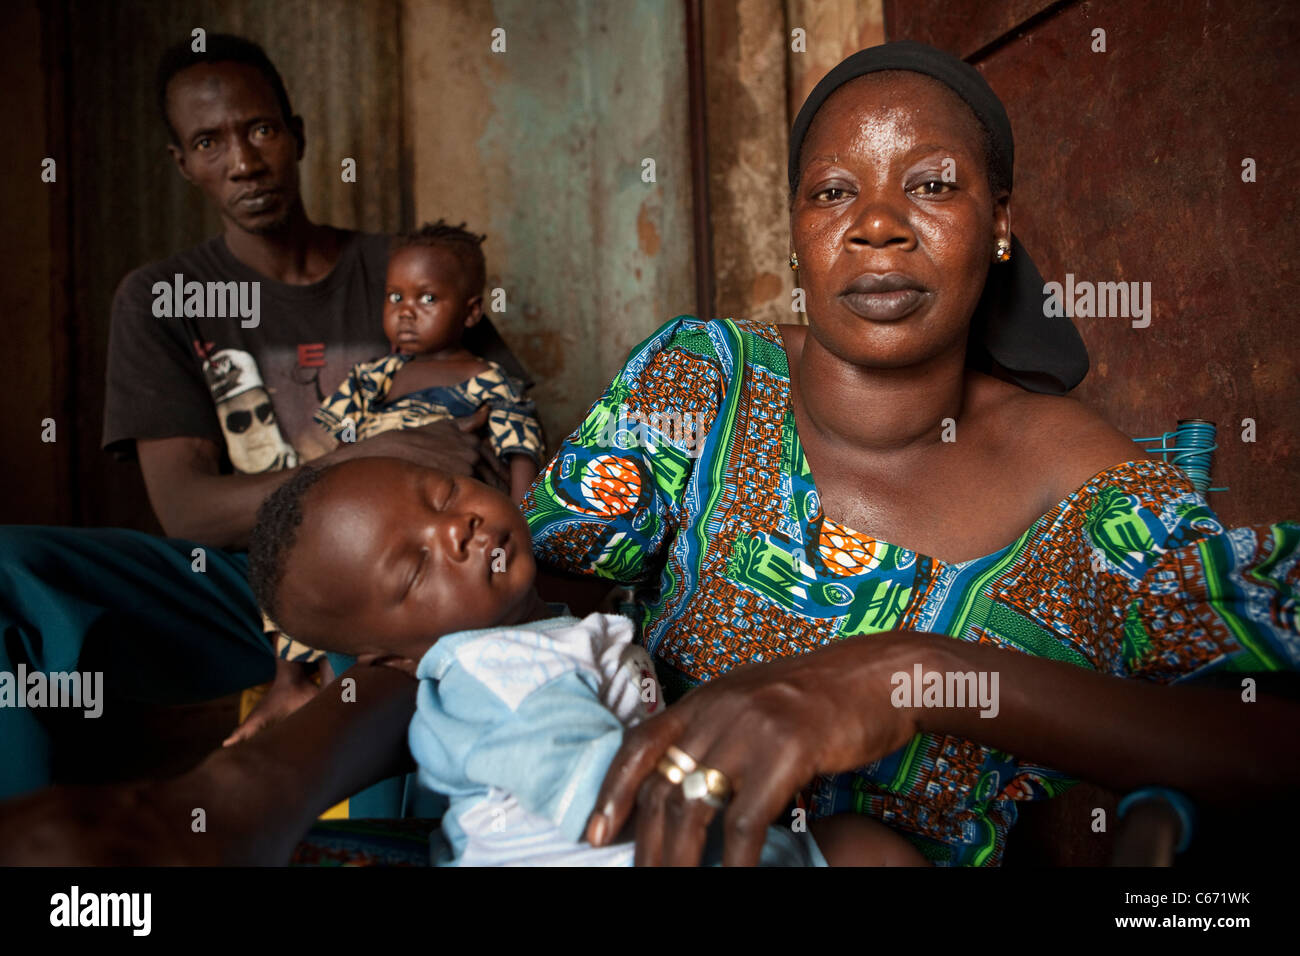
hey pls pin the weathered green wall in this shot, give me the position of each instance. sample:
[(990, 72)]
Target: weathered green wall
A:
[(541, 147)]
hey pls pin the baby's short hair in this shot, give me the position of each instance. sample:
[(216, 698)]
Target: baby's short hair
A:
[(466, 246), (274, 535)]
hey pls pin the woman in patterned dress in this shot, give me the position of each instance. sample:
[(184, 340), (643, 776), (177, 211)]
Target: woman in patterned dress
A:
[(817, 518)]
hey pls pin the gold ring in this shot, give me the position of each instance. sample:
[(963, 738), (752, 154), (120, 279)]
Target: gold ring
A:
[(709, 785), (671, 771), (681, 758)]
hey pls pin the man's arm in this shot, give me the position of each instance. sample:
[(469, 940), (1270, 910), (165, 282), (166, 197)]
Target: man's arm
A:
[(258, 798), (193, 500)]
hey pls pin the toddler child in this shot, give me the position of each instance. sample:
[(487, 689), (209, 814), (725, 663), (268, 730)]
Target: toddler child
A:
[(520, 708), (434, 292)]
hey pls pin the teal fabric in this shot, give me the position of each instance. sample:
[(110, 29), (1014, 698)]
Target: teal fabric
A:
[(129, 605), (132, 606)]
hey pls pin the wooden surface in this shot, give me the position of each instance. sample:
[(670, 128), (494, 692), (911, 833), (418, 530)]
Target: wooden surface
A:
[(36, 477)]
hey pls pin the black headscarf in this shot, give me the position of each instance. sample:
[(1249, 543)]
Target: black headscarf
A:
[(1040, 352)]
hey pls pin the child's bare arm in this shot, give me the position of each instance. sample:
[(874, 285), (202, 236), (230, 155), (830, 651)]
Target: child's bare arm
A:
[(851, 839), (522, 472)]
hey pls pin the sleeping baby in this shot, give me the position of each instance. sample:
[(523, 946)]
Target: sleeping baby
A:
[(520, 707)]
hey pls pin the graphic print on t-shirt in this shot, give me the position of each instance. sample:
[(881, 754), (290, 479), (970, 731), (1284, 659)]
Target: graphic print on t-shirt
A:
[(299, 375), (308, 339), (253, 439)]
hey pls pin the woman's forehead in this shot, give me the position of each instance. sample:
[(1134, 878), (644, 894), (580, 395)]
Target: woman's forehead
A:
[(886, 104)]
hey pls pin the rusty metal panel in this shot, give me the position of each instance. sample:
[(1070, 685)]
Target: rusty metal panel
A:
[(1129, 168), (962, 27)]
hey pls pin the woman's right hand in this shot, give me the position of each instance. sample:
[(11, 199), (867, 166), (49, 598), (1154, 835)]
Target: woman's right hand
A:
[(770, 728)]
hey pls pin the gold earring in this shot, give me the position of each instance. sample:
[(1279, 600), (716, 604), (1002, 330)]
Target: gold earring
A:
[(1003, 250), (794, 261)]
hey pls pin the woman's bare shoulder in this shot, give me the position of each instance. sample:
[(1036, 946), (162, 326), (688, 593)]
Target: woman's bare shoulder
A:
[(1058, 437)]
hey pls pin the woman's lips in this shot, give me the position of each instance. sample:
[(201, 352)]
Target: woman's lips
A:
[(883, 306)]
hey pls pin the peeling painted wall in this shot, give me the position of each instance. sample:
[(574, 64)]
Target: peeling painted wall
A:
[(835, 29), (541, 147), (745, 46), (756, 82)]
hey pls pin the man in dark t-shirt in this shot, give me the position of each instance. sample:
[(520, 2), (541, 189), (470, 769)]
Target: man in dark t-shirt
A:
[(249, 385), (248, 389), (217, 359)]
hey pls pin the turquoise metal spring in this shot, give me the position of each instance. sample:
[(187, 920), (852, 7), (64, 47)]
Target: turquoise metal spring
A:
[(1192, 450)]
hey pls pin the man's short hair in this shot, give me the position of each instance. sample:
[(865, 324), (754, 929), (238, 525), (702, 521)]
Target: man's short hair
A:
[(219, 48), (466, 246)]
